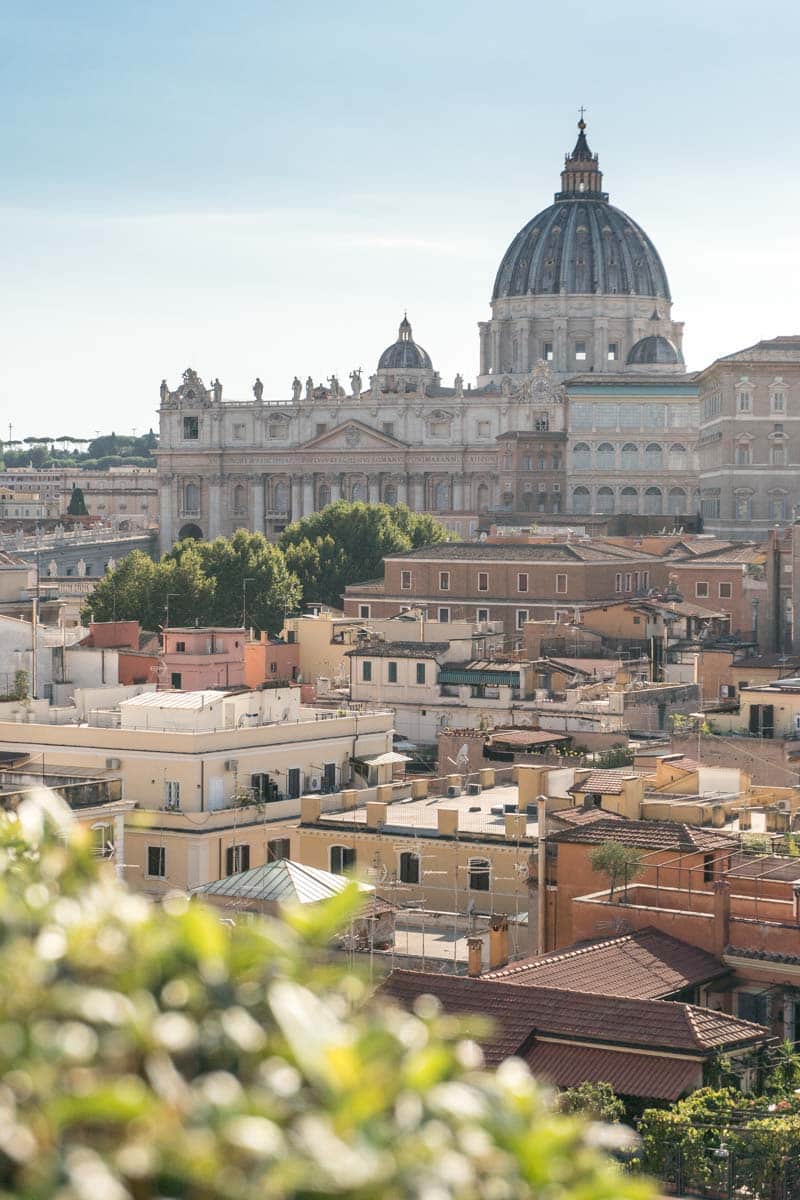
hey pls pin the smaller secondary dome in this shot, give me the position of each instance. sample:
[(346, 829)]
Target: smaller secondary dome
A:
[(404, 354), (654, 349)]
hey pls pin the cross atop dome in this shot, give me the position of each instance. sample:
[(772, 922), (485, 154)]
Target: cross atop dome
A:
[(581, 176)]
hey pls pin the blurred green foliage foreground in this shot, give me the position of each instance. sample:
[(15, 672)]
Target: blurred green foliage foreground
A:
[(150, 1051)]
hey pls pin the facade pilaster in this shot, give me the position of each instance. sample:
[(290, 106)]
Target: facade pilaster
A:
[(297, 497), (257, 505), (215, 507), (373, 489), (308, 495), (167, 530), (402, 490), (483, 332)]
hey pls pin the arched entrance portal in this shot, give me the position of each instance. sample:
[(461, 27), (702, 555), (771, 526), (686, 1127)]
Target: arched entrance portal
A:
[(190, 531)]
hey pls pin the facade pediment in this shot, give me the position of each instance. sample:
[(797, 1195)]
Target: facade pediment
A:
[(353, 435)]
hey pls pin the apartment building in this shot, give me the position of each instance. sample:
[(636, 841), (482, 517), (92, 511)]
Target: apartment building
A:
[(216, 776), (508, 583)]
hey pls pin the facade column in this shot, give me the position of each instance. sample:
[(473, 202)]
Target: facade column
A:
[(496, 348), (523, 334), (257, 505), (483, 331), (416, 500), (373, 489), (308, 495), (336, 488), (215, 507), (458, 493), (166, 517), (296, 497), (402, 490)]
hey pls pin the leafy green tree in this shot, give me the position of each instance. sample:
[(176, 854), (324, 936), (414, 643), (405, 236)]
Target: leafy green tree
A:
[(619, 864), (147, 1051), (200, 582), (595, 1100), (77, 503), (346, 543), (250, 577)]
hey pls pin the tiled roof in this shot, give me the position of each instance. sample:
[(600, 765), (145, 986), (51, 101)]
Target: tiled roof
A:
[(519, 1013), (649, 835), (644, 965), (585, 816), (610, 783), (629, 1074), (398, 650), (515, 552), (525, 737), (762, 955), (744, 553)]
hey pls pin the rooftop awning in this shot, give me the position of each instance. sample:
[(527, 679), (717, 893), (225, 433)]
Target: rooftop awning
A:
[(388, 759), (485, 678)]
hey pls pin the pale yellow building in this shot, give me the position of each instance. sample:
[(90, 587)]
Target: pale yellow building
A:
[(216, 776)]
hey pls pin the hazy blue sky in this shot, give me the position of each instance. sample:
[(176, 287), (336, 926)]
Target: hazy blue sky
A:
[(261, 188)]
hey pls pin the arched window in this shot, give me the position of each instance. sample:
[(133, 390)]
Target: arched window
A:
[(358, 491), (582, 457), (191, 499), (441, 496), (390, 494), (629, 500), (676, 502), (653, 501), (323, 495), (678, 458), (239, 499), (480, 875), (654, 457), (482, 497), (280, 497), (605, 457), (605, 500), (630, 457), (581, 500), (409, 867)]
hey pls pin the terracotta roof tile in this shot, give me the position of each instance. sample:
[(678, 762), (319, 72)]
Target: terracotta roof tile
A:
[(661, 1078), (609, 782), (649, 835), (644, 965), (585, 816), (518, 1013)]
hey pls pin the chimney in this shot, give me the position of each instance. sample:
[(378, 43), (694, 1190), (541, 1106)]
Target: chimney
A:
[(310, 809), (447, 822), (722, 916), (376, 814), (532, 782), (498, 941), (475, 959)]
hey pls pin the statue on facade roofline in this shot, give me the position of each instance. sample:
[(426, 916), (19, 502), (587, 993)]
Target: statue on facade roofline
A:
[(355, 383), (309, 387), (216, 388), (258, 390), (458, 384), (164, 391), (297, 389)]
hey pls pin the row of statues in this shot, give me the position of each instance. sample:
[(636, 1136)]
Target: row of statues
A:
[(334, 391)]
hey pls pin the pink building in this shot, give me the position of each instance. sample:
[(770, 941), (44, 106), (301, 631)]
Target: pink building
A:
[(198, 658), (271, 660)]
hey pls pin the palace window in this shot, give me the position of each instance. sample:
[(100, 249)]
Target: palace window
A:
[(366, 671), (522, 581), (613, 351), (156, 862), (701, 589), (391, 676), (630, 457), (605, 457), (444, 581), (421, 672), (343, 858), (654, 457), (191, 429), (405, 580), (409, 867), (561, 584), (237, 858), (582, 457), (483, 581), (580, 351), (480, 875), (744, 402), (547, 351)]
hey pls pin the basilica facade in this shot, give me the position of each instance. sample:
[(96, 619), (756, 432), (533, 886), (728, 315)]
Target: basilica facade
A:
[(582, 403)]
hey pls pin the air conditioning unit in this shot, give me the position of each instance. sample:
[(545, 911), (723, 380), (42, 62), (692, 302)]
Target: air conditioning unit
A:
[(474, 789), (231, 764), (113, 764), (453, 791)]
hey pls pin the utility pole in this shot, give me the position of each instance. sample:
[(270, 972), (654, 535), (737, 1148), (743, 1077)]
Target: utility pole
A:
[(34, 635)]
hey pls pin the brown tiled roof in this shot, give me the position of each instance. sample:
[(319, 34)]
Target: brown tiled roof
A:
[(585, 816), (649, 835), (526, 552), (398, 650), (525, 737), (644, 965), (609, 782), (629, 1074), (519, 1013)]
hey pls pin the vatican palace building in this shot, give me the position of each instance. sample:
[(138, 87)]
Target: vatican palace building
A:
[(582, 405)]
